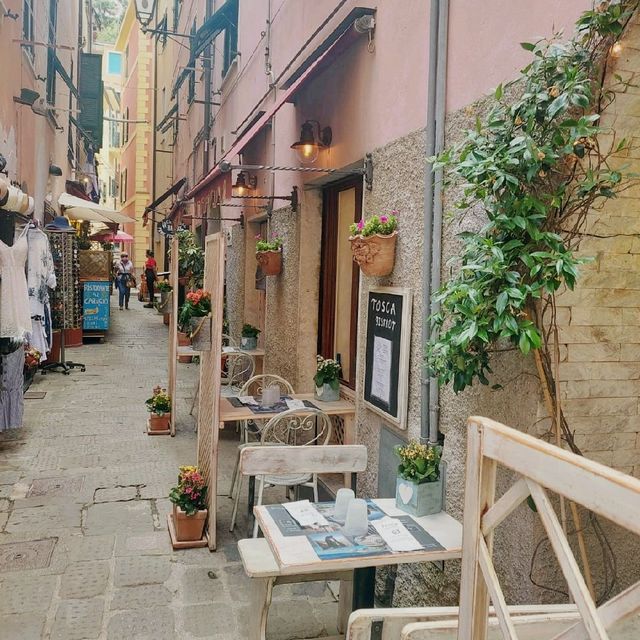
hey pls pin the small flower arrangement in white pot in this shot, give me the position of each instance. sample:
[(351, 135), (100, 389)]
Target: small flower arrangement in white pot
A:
[(327, 379), (421, 479), (373, 244)]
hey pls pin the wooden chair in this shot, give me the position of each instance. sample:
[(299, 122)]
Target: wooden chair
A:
[(539, 466), (293, 428), (252, 428), (258, 560)]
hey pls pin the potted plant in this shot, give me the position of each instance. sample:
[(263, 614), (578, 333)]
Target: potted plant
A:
[(269, 255), (189, 505), (373, 244), (159, 406), (421, 479), (195, 319), (166, 298), (249, 337), (190, 259), (327, 379)]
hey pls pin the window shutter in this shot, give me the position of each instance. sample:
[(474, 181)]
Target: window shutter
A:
[(90, 88)]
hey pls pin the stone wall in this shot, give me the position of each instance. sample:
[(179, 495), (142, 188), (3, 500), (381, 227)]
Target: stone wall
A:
[(235, 280)]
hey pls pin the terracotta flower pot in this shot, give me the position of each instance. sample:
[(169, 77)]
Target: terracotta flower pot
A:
[(270, 262), (189, 528), (184, 341), (182, 280), (159, 423), (374, 254)]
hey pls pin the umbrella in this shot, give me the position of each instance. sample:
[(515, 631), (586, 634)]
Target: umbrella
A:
[(109, 236)]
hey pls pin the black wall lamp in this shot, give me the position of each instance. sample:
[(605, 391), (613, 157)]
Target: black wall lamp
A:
[(308, 146), (244, 183)]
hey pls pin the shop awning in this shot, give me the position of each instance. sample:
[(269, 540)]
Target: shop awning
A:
[(80, 209), (246, 137)]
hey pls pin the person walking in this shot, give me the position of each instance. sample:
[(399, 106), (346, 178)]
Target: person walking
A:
[(125, 280), (151, 275)]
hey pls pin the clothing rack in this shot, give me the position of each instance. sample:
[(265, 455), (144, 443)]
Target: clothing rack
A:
[(64, 247)]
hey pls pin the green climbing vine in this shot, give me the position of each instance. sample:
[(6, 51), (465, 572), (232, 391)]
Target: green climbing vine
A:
[(537, 168)]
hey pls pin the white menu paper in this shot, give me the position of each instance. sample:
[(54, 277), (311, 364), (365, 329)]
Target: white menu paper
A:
[(395, 534), (305, 514), (381, 373), (248, 400), (295, 404)]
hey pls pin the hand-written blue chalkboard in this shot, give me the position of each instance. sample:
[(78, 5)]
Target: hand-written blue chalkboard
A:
[(387, 352), (95, 305)]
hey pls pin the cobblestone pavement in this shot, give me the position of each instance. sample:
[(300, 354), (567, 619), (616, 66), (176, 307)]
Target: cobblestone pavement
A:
[(84, 548)]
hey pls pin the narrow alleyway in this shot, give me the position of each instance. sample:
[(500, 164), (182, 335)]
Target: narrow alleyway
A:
[(84, 548)]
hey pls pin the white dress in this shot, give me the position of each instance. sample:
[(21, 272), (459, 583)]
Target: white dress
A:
[(41, 277), (15, 316)]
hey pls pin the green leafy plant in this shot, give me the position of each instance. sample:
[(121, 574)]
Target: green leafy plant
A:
[(275, 244), (383, 225), (249, 331), (160, 402), (419, 463), (164, 285), (327, 372), (196, 305), (190, 258), (536, 168), (191, 491)]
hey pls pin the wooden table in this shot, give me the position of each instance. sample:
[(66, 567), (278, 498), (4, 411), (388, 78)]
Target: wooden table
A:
[(342, 408), (295, 556)]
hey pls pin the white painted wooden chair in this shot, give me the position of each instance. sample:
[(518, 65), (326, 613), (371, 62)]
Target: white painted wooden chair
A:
[(252, 428), (293, 428), (540, 466), (257, 558)]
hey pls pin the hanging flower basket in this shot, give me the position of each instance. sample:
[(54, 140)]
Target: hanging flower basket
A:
[(373, 244), (270, 262), (201, 333), (374, 254)]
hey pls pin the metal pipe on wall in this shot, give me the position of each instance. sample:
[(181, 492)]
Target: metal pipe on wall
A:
[(432, 250)]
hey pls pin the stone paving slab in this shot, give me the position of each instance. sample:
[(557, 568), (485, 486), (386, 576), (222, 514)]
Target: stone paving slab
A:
[(108, 571)]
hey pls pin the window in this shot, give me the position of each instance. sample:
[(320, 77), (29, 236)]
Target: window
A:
[(125, 66), (338, 309), (28, 30), (114, 63), (123, 186), (191, 92), (230, 39), (51, 52), (114, 130), (125, 127)]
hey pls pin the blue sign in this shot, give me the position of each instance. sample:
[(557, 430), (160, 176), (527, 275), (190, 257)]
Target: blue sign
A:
[(95, 305)]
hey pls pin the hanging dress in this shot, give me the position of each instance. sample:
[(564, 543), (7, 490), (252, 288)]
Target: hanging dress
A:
[(15, 314), (41, 277)]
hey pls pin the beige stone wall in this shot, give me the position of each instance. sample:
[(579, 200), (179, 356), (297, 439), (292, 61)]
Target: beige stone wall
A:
[(235, 281)]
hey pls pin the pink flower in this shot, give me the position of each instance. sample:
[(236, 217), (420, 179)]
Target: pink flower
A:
[(384, 219), (394, 212), (361, 225), (258, 237)]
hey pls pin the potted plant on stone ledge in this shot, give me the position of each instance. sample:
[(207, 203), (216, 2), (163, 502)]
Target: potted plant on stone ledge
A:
[(327, 379), (269, 255), (159, 406), (421, 479), (189, 506), (373, 244), (249, 337), (195, 319)]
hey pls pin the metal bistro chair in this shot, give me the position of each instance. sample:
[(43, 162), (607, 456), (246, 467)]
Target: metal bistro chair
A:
[(295, 428), (254, 387), (240, 367)]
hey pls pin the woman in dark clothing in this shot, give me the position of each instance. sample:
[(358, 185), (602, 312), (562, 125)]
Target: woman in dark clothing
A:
[(151, 275)]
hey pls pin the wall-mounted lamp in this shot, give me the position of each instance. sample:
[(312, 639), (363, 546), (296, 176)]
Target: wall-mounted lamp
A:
[(55, 170), (308, 146), (244, 183), (144, 11)]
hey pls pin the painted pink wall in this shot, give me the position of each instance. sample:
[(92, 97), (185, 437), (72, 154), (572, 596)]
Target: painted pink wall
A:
[(484, 36)]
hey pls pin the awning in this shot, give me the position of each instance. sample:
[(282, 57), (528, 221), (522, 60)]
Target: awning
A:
[(160, 199), (245, 138), (104, 214)]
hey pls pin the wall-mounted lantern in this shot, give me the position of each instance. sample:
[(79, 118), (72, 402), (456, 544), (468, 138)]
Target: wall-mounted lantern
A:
[(308, 146), (244, 184), (144, 11)]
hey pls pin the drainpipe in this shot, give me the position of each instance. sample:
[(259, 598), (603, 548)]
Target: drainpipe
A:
[(432, 219), (207, 117)]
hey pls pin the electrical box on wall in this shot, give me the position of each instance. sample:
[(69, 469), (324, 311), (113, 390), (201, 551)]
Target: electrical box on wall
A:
[(388, 462)]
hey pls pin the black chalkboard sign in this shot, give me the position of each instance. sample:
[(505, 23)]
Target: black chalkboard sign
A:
[(387, 352)]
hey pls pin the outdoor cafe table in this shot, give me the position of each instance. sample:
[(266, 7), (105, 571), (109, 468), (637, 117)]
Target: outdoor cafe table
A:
[(341, 408), (295, 554)]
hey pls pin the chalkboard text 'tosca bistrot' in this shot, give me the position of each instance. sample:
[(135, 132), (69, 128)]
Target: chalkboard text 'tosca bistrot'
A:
[(387, 309)]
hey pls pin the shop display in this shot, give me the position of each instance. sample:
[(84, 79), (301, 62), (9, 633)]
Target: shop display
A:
[(40, 278), (66, 309), (15, 317)]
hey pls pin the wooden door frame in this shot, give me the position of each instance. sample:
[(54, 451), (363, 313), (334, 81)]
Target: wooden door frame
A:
[(328, 274)]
